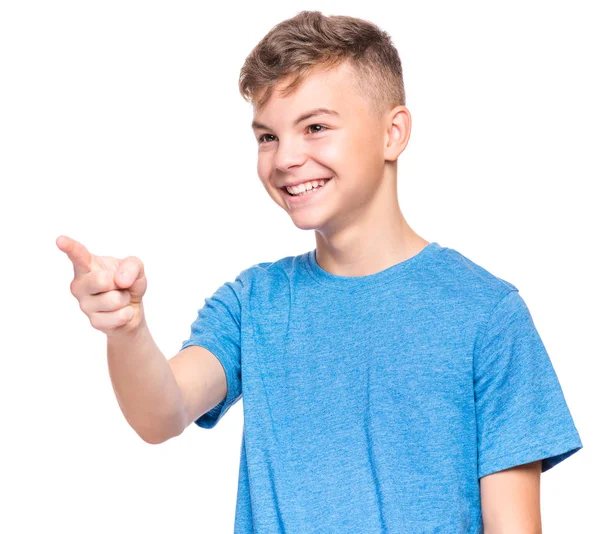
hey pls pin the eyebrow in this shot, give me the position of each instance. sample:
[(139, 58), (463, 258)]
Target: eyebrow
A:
[(303, 117)]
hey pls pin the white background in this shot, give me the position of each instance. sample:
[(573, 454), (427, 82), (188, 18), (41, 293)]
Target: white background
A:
[(121, 126)]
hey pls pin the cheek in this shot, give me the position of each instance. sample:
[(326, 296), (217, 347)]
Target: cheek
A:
[(348, 156), (329, 150), (365, 151), (263, 168), (333, 153)]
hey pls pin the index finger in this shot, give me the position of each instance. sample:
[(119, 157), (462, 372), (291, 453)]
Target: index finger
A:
[(78, 254)]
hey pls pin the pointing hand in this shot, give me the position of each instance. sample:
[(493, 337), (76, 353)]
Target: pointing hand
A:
[(109, 290)]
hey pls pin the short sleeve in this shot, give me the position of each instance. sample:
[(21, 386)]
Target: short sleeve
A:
[(217, 328), (522, 415)]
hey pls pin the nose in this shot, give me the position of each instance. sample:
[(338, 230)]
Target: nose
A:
[(289, 154)]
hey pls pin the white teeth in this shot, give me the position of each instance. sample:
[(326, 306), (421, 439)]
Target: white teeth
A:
[(306, 186)]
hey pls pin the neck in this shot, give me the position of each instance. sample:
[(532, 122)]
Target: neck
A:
[(369, 239)]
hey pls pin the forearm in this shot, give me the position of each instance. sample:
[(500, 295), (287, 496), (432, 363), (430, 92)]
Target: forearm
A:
[(145, 386)]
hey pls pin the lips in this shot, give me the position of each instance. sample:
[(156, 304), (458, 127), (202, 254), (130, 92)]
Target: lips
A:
[(304, 181), (306, 198)]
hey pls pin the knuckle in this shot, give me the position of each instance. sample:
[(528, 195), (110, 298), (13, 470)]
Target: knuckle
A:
[(125, 315), (84, 286), (135, 262), (116, 298), (94, 320), (73, 287), (100, 282)]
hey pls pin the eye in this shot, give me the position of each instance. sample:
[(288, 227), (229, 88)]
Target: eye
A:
[(319, 125), (262, 140)]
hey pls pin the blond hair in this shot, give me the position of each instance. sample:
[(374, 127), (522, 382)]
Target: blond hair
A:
[(310, 40)]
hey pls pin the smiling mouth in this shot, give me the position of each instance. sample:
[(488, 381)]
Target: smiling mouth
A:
[(308, 191)]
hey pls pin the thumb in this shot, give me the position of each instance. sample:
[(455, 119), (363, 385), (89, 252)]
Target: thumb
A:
[(130, 275)]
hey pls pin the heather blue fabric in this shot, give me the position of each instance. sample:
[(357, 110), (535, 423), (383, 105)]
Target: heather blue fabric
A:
[(374, 404)]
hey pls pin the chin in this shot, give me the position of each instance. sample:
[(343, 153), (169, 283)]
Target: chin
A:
[(306, 226), (308, 220)]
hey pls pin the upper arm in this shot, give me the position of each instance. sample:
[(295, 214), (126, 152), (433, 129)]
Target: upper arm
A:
[(521, 412), (209, 366), (201, 379), (510, 500)]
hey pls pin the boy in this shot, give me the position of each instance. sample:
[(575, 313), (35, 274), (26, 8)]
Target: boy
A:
[(390, 384)]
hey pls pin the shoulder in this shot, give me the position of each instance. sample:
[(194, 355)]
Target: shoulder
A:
[(460, 275), (468, 272), (468, 290), (268, 273)]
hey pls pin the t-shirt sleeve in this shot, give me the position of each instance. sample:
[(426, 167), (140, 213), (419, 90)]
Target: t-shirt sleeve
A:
[(522, 415), (217, 328)]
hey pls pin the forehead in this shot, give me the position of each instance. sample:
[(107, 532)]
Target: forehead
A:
[(331, 89)]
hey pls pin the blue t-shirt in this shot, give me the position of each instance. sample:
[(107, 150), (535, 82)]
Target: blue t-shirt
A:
[(374, 404)]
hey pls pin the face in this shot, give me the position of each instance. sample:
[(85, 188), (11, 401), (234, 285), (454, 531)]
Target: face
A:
[(346, 145)]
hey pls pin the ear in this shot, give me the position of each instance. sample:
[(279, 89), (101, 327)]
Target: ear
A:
[(397, 123)]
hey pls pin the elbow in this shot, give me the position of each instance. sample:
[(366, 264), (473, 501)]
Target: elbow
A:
[(160, 433), (151, 440), (154, 439)]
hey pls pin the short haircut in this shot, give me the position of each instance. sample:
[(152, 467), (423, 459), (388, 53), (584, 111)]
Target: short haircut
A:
[(309, 41)]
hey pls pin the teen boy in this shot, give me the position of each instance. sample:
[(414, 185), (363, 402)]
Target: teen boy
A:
[(390, 384)]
